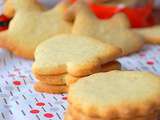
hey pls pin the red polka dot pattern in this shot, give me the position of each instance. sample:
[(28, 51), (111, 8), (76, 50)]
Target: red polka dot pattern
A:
[(40, 104), (34, 111), (48, 115), (17, 83)]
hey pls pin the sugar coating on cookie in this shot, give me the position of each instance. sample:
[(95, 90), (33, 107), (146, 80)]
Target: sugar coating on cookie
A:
[(72, 54), (116, 94)]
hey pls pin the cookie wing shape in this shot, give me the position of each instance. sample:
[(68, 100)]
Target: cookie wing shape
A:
[(31, 26), (73, 54), (115, 30), (116, 95), (151, 35)]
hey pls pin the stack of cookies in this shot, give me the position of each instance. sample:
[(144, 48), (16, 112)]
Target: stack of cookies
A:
[(115, 95), (74, 56)]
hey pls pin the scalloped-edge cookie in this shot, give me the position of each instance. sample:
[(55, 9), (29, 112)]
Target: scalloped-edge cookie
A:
[(72, 54), (116, 94), (73, 114), (52, 89), (31, 26), (151, 35), (115, 31)]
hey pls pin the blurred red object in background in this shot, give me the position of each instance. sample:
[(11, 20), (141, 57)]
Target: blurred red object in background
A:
[(4, 21), (138, 16)]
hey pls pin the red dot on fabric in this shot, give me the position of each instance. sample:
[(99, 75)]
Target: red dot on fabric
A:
[(40, 104), (48, 115), (64, 98), (17, 82), (150, 62), (34, 111)]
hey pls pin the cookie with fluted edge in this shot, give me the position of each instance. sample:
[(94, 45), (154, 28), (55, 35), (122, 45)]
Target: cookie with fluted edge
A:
[(104, 68), (47, 88), (115, 31), (116, 94), (73, 114), (151, 35), (32, 25), (72, 54)]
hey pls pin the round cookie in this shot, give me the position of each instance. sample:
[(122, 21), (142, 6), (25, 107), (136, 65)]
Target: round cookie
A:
[(116, 94), (72, 114), (104, 68), (72, 54), (42, 87)]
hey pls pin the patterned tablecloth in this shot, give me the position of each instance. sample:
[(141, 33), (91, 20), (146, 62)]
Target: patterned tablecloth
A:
[(19, 101)]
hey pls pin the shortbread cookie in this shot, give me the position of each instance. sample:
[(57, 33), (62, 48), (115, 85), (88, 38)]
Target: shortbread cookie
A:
[(72, 54), (69, 116), (69, 79), (116, 94), (115, 30), (52, 79), (73, 114), (105, 68), (41, 87), (30, 26), (151, 35)]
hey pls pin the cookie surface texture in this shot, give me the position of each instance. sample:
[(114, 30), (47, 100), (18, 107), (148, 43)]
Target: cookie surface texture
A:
[(72, 54), (116, 94), (151, 35), (104, 68), (32, 25), (115, 30), (52, 89)]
